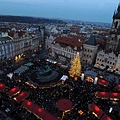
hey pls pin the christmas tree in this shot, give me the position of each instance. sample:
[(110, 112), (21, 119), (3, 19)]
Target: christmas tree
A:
[(75, 68)]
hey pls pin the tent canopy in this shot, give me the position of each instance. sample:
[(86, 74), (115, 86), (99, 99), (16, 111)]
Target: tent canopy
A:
[(102, 94), (96, 110), (13, 91), (105, 117), (115, 95), (39, 112), (118, 87), (2, 87), (90, 73), (22, 96), (28, 64), (103, 82), (28, 105), (21, 69)]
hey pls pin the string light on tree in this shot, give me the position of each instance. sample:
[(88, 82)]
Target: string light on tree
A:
[(75, 69)]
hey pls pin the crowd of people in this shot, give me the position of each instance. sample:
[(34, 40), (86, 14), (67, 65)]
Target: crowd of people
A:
[(80, 93)]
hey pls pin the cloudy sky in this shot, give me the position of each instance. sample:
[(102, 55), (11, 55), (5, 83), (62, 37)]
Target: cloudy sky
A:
[(87, 10)]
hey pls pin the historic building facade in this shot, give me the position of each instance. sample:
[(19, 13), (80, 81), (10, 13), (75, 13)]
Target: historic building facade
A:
[(90, 48), (66, 48), (6, 47), (113, 42)]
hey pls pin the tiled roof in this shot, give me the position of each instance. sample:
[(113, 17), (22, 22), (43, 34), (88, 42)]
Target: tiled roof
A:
[(71, 41)]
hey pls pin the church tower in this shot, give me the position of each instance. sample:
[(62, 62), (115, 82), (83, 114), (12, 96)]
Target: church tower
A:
[(113, 43)]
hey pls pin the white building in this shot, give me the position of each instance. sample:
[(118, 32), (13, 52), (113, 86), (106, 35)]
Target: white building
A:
[(107, 59), (6, 48)]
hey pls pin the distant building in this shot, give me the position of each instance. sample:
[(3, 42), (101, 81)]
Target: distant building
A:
[(90, 48), (6, 47)]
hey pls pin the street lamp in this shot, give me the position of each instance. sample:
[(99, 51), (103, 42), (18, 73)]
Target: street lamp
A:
[(82, 76)]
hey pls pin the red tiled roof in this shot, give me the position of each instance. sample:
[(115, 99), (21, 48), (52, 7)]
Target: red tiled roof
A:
[(11, 34), (100, 41), (72, 41), (5, 29)]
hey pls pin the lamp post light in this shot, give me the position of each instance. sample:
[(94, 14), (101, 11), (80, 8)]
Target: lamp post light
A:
[(82, 76), (96, 79)]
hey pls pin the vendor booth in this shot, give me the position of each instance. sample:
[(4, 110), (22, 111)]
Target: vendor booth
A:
[(90, 76)]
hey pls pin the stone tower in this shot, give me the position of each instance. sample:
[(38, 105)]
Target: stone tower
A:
[(113, 43)]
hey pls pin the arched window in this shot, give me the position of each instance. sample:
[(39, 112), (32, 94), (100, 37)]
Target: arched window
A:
[(116, 23)]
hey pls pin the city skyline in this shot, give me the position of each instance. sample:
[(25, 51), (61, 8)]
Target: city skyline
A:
[(86, 10)]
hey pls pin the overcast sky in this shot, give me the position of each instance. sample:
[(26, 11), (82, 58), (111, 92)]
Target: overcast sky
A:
[(87, 10)]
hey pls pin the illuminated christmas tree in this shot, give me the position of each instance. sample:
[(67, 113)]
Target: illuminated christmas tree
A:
[(75, 69)]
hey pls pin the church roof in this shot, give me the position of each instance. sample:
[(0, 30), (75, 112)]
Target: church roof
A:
[(117, 13), (91, 41)]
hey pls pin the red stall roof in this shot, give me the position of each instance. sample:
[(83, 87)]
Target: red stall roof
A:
[(105, 117), (64, 104), (102, 94), (22, 96), (115, 95), (103, 82), (13, 91), (118, 87), (49, 116), (2, 87), (28, 105), (39, 111), (96, 110)]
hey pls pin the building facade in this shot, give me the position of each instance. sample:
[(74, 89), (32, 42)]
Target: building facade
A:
[(90, 48), (66, 48), (113, 42), (6, 48), (107, 60)]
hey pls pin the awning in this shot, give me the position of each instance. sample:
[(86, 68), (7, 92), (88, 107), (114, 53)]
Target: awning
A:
[(102, 94), (28, 64), (49, 116), (13, 91), (96, 110), (2, 87), (21, 96), (115, 95), (28, 105), (103, 82), (118, 87), (39, 112), (90, 73), (21, 69), (105, 117)]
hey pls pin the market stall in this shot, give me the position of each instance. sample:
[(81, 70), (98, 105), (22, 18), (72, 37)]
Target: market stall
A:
[(13, 91), (96, 110), (21, 96), (2, 87)]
